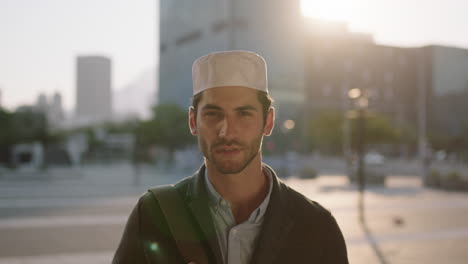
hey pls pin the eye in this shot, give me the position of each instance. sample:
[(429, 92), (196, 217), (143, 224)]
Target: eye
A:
[(245, 113), (212, 114)]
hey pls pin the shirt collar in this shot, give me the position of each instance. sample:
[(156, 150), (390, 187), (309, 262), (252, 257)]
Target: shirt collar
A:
[(217, 200)]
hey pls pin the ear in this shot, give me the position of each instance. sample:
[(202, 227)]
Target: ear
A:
[(192, 123), (269, 122)]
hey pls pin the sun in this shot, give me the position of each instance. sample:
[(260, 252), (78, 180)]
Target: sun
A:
[(336, 10)]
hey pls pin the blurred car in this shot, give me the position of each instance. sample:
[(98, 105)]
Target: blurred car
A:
[(374, 169)]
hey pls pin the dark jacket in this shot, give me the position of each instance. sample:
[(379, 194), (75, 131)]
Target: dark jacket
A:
[(295, 229)]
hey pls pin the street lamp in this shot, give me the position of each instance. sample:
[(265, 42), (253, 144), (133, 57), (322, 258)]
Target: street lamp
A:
[(354, 93), (361, 104), (287, 127)]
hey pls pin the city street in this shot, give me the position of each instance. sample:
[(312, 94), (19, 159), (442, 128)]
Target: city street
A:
[(78, 216)]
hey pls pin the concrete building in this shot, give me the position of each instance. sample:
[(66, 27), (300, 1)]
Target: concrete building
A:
[(190, 29), (93, 89), (52, 109), (312, 64), (337, 61), (446, 77), (56, 114), (395, 79), (41, 103)]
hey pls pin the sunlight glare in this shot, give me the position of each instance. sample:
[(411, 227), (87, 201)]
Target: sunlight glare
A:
[(336, 10)]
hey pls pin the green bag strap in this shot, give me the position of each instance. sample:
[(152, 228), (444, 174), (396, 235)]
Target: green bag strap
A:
[(179, 221)]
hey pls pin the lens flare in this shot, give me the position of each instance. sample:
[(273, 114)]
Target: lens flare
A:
[(154, 246)]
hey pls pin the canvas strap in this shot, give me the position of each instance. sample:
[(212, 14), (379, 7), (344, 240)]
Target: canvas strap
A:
[(180, 224)]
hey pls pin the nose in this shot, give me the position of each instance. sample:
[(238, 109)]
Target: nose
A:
[(227, 129)]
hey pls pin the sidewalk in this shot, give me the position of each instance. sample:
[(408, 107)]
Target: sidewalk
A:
[(407, 222)]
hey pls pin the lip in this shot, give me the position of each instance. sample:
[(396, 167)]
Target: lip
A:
[(228, 151)]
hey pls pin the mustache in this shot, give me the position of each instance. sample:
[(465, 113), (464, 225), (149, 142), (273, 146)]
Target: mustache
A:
[(224, 142)]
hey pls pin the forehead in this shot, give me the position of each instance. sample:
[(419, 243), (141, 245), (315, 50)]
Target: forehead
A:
[(230, 96)]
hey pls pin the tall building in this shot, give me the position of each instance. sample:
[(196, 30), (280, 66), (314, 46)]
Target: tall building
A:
[(312, 64), (396, 80), (52, 109), (337, 61), (446, 77), (272, 28), (56, 114), (93, 89), (41, 103)]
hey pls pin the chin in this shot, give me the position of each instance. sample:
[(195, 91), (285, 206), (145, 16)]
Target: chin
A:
[(229, 167), (230, 170)]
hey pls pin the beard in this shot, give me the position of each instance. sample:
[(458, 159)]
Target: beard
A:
[(248, 151)]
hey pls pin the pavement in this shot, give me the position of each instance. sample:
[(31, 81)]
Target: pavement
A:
[(77, 215)]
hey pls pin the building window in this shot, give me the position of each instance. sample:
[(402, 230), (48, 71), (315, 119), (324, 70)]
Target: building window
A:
[(192, 36), (373, 93), (388, 52), (388, 93), (239, 23), (348, 65), (366, 75), (402, 61), (220, 26), (388, 76), (327, 90)]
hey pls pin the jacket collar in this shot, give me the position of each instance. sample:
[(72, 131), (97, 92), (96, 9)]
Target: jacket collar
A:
[(198, 202), (277, 224)]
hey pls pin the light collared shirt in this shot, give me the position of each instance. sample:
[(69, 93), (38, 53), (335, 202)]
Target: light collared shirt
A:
[(236, 241)]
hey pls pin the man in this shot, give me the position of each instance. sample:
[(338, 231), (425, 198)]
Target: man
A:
[(239, 210)]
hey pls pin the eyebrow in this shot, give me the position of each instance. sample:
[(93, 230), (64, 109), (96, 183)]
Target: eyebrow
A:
[(240, 108), (211, 107), (246, 108)]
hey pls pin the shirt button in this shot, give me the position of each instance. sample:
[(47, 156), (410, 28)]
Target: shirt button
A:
[(234, 232)]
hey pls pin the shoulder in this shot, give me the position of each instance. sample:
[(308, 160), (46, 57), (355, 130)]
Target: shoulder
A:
[(314, 221), (299, 205), (152, 210), (182, 187)]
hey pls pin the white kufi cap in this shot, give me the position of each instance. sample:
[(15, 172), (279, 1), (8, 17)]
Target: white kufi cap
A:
[(229, 68)]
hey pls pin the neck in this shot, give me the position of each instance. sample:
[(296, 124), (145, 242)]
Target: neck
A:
[(245, 190)]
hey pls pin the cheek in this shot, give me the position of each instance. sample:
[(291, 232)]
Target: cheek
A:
[(206, 136), (250, 124)]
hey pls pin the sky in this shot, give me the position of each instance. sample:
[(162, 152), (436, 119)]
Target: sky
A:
[(400, 22), (40, 39)]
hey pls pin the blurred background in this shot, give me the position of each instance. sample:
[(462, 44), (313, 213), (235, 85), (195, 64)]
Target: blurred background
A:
[(371, 99)]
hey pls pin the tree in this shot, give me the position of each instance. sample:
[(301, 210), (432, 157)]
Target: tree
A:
[(22, 126), (379, 130), (168, 128), (326, 131), (7, 134), (30, 125)]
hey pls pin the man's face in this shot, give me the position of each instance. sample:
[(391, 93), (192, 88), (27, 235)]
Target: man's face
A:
[(230, 127)]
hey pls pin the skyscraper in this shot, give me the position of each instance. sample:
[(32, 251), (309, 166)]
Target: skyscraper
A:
[(51, 107), (93, 89), (190, 29)]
